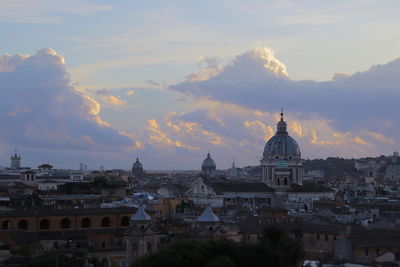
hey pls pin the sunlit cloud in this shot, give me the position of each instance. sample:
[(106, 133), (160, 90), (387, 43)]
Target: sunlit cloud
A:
[(51, 113), (130, 92), (113, 100)]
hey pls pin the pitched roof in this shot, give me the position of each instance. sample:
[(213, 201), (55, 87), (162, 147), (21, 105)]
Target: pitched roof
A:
[(141, 215), (65, 212), (208, 216), (242, 187)]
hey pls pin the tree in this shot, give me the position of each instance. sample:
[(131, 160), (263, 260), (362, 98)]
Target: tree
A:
[(275, 249)]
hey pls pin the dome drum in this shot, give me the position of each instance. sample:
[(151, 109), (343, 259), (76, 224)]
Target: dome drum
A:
[(281, 163)]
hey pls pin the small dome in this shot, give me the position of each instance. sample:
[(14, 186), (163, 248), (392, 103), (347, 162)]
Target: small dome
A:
[(137, 165), (208, 216), (208, 162), (281, 144), (141, 215)]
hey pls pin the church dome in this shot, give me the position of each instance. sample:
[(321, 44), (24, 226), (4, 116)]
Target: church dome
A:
[(208, 162), (281, 144), (208, 167), (137, 165)]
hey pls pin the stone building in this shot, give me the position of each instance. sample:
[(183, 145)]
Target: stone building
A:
[(240, 194), (281, 162), (15, 161), (97, 231), (142, 237)]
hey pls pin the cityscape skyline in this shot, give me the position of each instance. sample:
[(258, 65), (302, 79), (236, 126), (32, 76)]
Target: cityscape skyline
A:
[(106, 93)]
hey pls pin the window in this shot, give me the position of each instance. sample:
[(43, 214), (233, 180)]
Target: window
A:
[(23, 225), (6, 225), (44, 224), (378, 252), (105, 222), (65, 223), (326, 237), (125, 221), (149, 247), (317, 237), (103, 244), (86, 222), (203, 189), (366, 252)]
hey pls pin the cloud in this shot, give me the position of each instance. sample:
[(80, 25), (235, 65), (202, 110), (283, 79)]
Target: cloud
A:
[(351, 115), (130, 92), (41, 109), (257, 80), (111, 99), (341, 75)]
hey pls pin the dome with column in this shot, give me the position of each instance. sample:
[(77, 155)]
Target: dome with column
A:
[(137, 168), (208, 167), (281, 162)]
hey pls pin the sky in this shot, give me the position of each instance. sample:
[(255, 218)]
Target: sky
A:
[(103, 82)]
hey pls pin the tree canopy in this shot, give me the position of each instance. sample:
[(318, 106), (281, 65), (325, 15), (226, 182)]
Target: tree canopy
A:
[(275, 249)]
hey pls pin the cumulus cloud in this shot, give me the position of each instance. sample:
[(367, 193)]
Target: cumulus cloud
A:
[(256, 79), (42, 110), (352, 110)]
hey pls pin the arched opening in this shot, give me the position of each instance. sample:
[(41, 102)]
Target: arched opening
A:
[(23, 225), (86, 222), (104, 263), (285, 181), (203, 189), (125, 221), (105, 222), (44, 224), (149, 247), (278, 182), (6, 225), (65, 223)]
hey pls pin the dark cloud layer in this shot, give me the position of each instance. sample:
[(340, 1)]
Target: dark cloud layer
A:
[(256, 79)]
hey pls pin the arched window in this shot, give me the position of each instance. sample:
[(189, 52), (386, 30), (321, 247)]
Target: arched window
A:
[(23, 225), (125, 221), (104, 263), (44, 224), (65, 223), (86, 222), (149, 247), (278, 182), (203, 188), (285, 182), (105, 222), (6, 225)]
